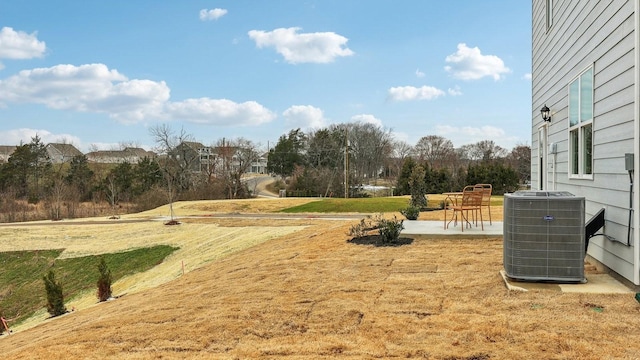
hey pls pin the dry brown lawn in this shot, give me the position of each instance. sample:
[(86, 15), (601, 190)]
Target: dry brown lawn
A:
[(311, 294)]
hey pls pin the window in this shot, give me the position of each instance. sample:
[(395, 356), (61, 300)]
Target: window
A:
[(581, 125), (549, 13)]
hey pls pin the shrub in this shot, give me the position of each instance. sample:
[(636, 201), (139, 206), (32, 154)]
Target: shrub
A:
[(411, 212), (363, 227), (55, 299), (104, 281), (390, 229), (2, 328)]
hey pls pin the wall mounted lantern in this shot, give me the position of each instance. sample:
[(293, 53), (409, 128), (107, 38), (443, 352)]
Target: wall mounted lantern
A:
[(546, 113)]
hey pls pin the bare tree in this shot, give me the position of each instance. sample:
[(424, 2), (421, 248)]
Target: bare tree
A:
[(324, 156), (489, 150), (369, 146), (176, 160), (59, 190), (520, 160), (94, 147), (469, 153), (400, 150), (235, 159), (57, 195), (113, 193), (485, 150), (436, 150)]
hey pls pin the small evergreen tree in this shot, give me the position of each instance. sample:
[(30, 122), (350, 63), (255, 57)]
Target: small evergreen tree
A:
[(417, 188), (55, 299), (402, 187), (437, 180), (104, 281)]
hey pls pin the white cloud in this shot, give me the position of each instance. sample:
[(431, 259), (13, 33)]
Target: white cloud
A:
[(87, 88), (527, 76), (319, 47), (419, 73), (20, 45), (455, 91), (220, 112), (24, 136), (213, 14), (469, 64), (368, 119), (304, 117), (466, 135), (95, 88), (407, 93)]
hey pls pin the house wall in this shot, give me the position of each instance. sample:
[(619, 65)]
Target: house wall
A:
[(584, 33), (5, 153)]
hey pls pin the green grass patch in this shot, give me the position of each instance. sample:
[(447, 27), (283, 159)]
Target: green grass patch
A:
[(356, 205), (22, 290), (368, 205)]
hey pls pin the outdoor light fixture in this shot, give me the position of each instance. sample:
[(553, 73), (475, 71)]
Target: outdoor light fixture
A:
[(546, 113)]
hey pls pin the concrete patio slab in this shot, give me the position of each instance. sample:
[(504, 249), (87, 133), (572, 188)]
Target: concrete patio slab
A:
[(596, 284), (436, 229)]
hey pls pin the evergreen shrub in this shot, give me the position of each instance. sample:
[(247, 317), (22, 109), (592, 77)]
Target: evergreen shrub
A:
[(104, 281), (55, 299)]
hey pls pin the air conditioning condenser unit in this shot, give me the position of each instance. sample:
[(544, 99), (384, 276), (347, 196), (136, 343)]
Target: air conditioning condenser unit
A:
[(544, 236)]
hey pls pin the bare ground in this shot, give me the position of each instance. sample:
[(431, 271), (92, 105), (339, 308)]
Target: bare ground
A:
[(311, 294)]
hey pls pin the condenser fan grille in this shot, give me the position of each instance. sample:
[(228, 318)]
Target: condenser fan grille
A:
[(544, 236)]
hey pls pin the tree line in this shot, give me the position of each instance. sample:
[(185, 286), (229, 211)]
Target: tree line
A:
[(336, 160), (332, 161), (32, 187)]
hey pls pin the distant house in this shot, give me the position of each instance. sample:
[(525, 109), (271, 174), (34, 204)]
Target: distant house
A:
[(194, 155), (240, 159), (134, 154), (259, 166), (206, 159), (586, 71), (5, 152), (61, 153), (131, 155)]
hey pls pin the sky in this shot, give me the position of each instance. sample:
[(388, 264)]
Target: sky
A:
[(102, 74)]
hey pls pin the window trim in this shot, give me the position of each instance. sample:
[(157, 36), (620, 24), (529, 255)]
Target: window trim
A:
[(579, 128)]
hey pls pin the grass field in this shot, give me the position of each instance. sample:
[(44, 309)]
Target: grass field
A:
[(309, 293), (75, 245), (22, 271), (360, 205)]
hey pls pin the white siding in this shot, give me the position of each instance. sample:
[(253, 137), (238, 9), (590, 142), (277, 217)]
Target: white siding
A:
[(598, 34)]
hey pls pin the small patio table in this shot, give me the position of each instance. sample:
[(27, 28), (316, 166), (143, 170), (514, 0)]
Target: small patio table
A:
[(470, 201), (451, 198)]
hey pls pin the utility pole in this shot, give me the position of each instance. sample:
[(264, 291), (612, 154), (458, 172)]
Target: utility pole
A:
[(346, 162)]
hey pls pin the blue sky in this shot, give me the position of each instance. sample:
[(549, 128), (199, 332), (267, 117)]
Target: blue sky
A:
[(100, 74)]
